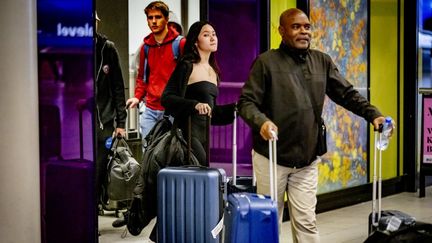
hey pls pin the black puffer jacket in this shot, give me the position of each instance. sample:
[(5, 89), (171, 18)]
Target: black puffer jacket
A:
[(110, 90)]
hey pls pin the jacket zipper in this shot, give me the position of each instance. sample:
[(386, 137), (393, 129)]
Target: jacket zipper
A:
[(97, 78)]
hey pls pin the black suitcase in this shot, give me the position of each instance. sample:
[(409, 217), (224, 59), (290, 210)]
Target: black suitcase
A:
[(391, 225), (379, 219), (419, 232), (67, 187), (69, 213)]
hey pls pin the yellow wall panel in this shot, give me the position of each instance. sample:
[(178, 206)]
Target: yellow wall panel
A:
[(276, 8), (383, 72)]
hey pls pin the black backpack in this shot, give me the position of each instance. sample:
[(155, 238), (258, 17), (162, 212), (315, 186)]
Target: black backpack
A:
[(142, 211), (164, 146)]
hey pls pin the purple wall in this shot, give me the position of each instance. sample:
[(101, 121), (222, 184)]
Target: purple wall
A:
[(238, 29)]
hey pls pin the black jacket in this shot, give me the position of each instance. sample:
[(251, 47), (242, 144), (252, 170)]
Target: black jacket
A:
[(284, 87), (180, 108), (109, 88)]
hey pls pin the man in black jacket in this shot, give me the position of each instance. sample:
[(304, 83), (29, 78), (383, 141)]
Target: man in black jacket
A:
[(285, 94), (110, 105)]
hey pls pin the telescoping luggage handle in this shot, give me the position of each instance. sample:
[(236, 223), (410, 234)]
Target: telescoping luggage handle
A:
[(234, 149), (273, 165), (376, 213), (234, 152), (132, 133)]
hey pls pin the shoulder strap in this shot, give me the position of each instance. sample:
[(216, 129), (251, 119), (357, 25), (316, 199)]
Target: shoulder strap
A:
[(176, 47), (146, 70), (176, 52), (146, 49)]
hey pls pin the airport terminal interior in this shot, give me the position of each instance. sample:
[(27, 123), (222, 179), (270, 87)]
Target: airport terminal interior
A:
[(388, 62)]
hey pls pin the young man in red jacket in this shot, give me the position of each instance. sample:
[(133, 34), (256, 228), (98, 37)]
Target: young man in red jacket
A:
[(157, 61), (158, 58)]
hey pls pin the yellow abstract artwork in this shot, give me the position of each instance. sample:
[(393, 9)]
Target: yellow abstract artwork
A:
[(340, 29)]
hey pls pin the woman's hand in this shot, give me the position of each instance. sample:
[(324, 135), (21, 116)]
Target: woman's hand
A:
[(203, 109)]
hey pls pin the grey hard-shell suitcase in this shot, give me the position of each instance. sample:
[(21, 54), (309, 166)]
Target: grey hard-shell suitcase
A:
[(190, 202)]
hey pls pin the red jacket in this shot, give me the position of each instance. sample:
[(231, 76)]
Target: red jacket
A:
[(161, 64)]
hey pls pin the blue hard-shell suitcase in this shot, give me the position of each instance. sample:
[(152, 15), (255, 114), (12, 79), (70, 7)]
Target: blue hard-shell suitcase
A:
[(190, 204), (251, 218)]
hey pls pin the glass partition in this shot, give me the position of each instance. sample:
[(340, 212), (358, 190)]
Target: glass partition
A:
[(65, 63)]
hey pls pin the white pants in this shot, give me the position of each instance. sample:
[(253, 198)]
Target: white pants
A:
[(301, 187)]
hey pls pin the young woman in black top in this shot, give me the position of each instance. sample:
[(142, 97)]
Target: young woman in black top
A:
[(193, 88)]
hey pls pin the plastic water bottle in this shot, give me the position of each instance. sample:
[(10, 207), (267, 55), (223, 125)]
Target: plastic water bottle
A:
[(385, 135), (108, 142)]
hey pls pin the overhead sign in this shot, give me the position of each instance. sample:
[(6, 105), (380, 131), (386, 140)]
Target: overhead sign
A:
[(65, 23)]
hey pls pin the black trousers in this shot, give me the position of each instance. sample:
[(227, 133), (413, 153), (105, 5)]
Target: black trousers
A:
[(102, 160)]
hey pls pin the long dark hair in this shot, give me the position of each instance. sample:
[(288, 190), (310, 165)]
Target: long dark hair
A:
[(191, 53)]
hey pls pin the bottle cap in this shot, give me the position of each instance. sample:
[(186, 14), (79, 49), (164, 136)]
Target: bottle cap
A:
[(108, 142), (388, 119)]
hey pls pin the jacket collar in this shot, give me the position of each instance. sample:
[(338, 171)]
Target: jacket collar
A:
[(151, 41), (298, 55)]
